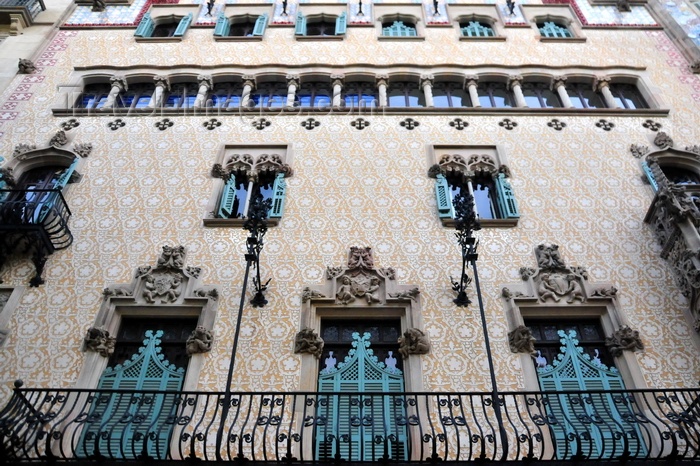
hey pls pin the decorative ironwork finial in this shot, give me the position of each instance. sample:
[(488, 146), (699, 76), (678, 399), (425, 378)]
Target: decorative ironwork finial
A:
[(256, 224), (359, 11), (284, 7), (435, 5), (466, 223)]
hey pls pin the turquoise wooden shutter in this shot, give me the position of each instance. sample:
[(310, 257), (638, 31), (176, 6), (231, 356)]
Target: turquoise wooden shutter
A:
[(228, 197), (146, 26), (599, 420), (341, 24), (44, 202), (123, 424), (650, 176), (278, 194), (506, 199), (223, 26), (300, 28), (353, 419), (260, 25), (3, 185), (442, 195), (182, 27)]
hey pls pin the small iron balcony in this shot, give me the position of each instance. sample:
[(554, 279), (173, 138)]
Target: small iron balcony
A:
[(34, 222), (151, 427)]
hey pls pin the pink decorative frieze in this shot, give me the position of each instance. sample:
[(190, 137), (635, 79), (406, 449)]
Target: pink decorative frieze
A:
[(33, 79)]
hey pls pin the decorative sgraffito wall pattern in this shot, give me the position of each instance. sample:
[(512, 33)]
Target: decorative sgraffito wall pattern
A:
[(143, 188)]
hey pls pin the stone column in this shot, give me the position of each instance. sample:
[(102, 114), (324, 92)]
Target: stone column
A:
[(426, 83), (292, 86), (515, 84), (248, 86), (205, 85), (470, 83), (337, 82), (162, 85), (602, 85), (119, 84), (382, 81), (559, 84)]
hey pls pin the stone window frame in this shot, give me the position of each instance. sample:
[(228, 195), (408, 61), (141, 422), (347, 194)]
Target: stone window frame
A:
[(232, 11), (313, 11), (527, 299), (486, 14), (128, 299), (399, 12), (561, 15), (223, 158), (492, 158), (169, 13), (13, 301), (393, 301)]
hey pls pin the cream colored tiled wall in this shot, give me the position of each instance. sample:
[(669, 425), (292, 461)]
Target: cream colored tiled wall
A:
[(142, 188)]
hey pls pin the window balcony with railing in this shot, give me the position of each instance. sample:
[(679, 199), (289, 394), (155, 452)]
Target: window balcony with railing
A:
[(128, 426), (20, 13), (34, 221)]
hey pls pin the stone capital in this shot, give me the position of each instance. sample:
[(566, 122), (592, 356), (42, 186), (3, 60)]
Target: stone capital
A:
[(558, 81), (514, 80), (382, 79), (120, 82), (205, 80), (471, 80), (426, 79), (162, 81), (601, 82), (248, 80), (337, 79), (292, 80)]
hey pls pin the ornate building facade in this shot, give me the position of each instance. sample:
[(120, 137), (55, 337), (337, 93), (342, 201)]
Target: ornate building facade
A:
[(248, 230)]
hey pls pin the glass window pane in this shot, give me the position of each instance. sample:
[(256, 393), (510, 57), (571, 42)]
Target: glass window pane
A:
[(500, 98), (396, 98), (531, 98), (483, 201)]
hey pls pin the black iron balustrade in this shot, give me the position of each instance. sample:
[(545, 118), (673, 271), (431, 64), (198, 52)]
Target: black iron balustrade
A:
[(79, 426), (33, 222), (29, 7)]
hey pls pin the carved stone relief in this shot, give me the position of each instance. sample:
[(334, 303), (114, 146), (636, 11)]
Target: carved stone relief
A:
[(413, 341), (168, 282), (200, 341), (521, 340), (553, 281), (624, 339), (98, 339), (251, 166), (308, 341)]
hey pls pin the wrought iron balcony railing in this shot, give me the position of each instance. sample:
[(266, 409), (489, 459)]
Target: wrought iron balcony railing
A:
[(32, 210), (597, 426), (31, 7)]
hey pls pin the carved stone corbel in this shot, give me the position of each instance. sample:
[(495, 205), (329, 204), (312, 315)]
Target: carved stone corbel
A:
[(413, 341), (307, 341), (200, 341), (97, 339), (624, 339), (521, 340)]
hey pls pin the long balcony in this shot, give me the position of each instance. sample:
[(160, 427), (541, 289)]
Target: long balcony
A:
[(156, 427), (25, 10), (33, 222)]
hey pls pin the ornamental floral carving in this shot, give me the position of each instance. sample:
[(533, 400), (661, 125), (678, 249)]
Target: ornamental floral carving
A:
[(308, 342), (59, 139), (663, 140), (413, 341), (251, 167), (521, 340), (624, 339), (200, 341), (22, 148), (97, 339)]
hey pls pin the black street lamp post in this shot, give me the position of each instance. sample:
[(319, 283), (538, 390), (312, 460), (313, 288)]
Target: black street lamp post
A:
[(256, 225), (466, 223)]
